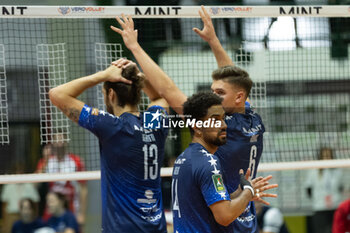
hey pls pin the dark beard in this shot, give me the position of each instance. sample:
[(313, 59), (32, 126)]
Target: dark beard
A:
[(216, 141), (109, 108)]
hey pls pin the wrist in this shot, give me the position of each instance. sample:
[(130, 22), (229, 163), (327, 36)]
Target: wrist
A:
[(250, 188), (100, 76), (214, 41), (134, 47)]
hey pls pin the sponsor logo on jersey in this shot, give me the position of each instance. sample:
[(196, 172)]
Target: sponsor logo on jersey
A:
[(218, 183)]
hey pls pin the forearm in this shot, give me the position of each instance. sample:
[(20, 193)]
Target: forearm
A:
[(65, 96), (150, 91), (225, 212), (83, 200), (220, 54), (76, 87), (239, 204), (235, 194), (159, 80)]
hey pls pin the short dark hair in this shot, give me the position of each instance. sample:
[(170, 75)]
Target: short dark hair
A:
[(234, 75), (127, 93), (196, 107), (32, 205)]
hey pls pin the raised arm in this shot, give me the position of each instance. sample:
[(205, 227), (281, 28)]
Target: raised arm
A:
[(158, 79), (208, 34), (65, 96)]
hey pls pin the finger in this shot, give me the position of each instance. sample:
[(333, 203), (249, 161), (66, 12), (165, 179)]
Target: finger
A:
[(124, 80), (264, 179), (117, 30), (262, 201), (257, 179), (201, 14), (271, 186), (131, 21), (125, 19), (268, 195), (129, 63), (121, 23), (117, 63), (247, 174), (205, 12), (196, 30)]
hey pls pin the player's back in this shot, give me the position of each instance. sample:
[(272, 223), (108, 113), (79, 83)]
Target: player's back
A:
[(192, 178), (131, 157), (243, 149)]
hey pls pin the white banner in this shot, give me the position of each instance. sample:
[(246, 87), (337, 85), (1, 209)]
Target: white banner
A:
[(171, 11)]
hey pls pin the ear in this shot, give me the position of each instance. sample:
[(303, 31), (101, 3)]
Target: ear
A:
[(197, 131), (111, 94), (240, 97)]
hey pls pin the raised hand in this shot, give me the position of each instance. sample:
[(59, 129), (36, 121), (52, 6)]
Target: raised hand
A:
[(122, 63), (261, 184), (114, 74), (208, 31), (128, 32)]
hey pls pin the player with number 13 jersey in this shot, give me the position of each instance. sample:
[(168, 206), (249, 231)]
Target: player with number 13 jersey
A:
[(131, 157)]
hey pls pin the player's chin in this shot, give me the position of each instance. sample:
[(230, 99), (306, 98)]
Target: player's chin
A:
[(221, 140)]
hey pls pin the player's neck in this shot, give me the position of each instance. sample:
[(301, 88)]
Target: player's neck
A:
[(240, 108), (209, 147), (117, 110)]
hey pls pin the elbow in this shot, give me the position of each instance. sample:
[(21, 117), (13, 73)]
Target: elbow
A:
[(223, 220), (54, 96)]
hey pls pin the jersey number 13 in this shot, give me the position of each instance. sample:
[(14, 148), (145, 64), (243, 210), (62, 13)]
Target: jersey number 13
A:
[(150, 153)]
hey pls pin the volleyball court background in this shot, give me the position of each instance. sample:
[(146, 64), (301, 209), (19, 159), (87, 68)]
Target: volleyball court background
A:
[(301, 89)]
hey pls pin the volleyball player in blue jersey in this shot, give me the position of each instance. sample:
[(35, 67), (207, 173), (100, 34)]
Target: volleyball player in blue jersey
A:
[(245, 128), (131, 155), (201, 202)]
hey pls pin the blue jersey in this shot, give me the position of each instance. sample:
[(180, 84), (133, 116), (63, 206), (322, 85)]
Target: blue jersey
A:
[(131, 157), (60, 224), (197, 183), (243, 149), (21, 227)]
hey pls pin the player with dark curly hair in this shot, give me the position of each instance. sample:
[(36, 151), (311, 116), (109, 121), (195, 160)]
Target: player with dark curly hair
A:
[(201, 202)]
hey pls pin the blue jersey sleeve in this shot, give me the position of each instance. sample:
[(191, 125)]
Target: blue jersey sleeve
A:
[(99, 122), (163, 117), (211, 183), (71, 221)]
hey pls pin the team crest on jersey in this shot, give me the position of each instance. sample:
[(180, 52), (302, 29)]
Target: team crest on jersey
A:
[(218, 183), (94, 112)]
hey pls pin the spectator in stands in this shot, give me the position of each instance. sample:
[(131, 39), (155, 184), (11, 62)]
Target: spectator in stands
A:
[(62, 161), (270, 220), (325, 188), (62, 220), (11, 196), (341, 220), (29, 221)]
